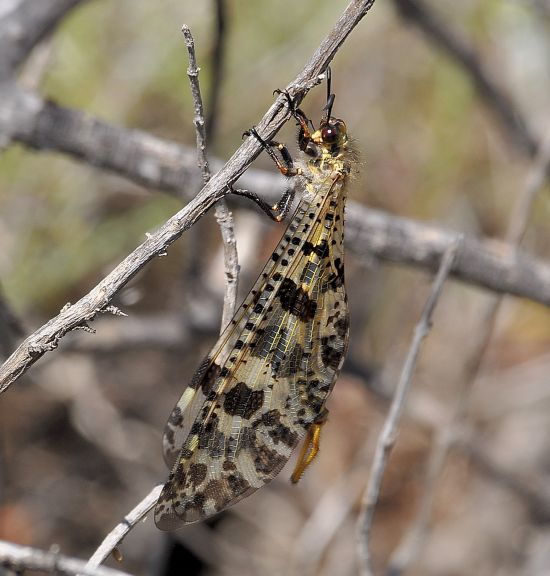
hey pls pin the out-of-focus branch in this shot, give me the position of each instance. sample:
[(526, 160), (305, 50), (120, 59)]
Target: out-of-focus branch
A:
[(386, 439), (500, 104), (25, 25), (221, 210), (73, 316), (217, 67), (492, 265), (22, 558), (487, 263)]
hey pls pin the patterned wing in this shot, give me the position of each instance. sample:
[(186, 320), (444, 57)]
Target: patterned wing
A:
[(268, 376), (229, 345)]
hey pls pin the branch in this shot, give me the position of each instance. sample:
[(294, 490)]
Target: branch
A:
[(20, 558), (117, 534), (442, 35), (490, 264), (387, 437), (73, 316), (22, 28), (221, 210)]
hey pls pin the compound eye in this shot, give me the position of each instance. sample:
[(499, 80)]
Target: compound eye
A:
[(329, 134), (332, 132)]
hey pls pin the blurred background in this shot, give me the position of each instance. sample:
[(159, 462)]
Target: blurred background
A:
[(80, 433)]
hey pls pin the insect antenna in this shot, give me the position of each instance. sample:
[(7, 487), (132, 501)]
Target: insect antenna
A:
[(330, 97)]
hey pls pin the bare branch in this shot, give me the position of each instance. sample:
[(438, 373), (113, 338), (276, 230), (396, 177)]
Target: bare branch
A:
[(117, 534), (73, 316), (387, 437), (502, 106), (221, 210), (489, 263), (20, 558)]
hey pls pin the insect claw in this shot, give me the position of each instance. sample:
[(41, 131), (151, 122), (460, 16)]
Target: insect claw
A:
[(289, 101)]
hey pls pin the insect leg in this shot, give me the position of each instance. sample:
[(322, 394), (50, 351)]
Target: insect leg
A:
[(310, 448), (286, 165), (278, 211), (303, 121)]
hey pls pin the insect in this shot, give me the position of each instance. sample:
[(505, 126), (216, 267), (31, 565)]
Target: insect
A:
[(264, 385)]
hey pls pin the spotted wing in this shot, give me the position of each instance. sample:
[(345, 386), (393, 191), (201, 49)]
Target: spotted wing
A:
[(267, 378)]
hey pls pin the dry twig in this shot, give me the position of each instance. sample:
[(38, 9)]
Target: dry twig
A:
[(221, 211), (21, 558), (387, 437), (117, 534)]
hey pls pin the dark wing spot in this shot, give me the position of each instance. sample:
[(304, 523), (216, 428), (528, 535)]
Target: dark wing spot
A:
[(332, 350), (269, 418), (292, 362), (263, 341), (296, 301), (193, 510), (283, 434), (237, 483), (243, 401), (197, 474), (342, 327), (268, 461), (176, 418)]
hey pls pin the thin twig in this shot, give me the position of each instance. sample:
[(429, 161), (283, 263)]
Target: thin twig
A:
[(76, 315), (387, 437), (501, 105), (118, 533), (221, 210), (22, 558), (217, 65), (411, 545)]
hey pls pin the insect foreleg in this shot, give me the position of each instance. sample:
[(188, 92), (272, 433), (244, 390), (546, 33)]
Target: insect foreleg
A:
[(278, 211), (286, 165)]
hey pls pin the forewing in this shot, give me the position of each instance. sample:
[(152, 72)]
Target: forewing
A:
[(266, 380), (205, 382)]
